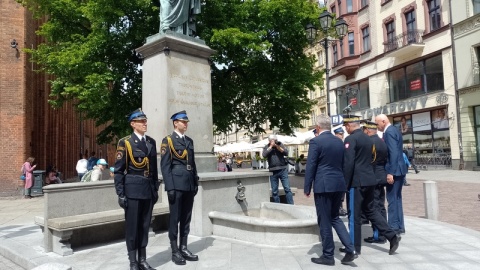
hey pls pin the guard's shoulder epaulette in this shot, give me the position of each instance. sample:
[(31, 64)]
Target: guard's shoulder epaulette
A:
[(124, 139)]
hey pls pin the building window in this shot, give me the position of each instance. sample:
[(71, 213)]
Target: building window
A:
[(335, 55), (362, 97), (391, 43), (333, 9), (339, 2), (320, 58), (351, 43), (434, 14), (477, 131), (349, 6), (416, 79), (476, 6), (366, 39), (476, 66), (363, 3), (341, 48), (312, 118), (411, 26)]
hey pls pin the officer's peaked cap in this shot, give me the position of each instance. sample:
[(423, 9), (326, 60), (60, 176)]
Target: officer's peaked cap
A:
[(339, 130), (181, 115), (369, 124), (138, 114), (347, 118)]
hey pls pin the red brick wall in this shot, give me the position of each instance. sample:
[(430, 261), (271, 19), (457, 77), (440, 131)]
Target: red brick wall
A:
[(28, 125)]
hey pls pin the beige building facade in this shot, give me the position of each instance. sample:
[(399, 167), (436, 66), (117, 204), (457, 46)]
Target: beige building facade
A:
[(466, 39), (397, 59)]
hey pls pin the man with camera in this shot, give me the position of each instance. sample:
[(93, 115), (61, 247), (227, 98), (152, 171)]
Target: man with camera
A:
[(275, 153)]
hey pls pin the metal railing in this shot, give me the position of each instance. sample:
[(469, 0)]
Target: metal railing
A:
[(405, 39)]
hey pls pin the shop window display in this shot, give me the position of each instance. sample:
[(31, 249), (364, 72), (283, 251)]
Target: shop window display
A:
[(429, 135)]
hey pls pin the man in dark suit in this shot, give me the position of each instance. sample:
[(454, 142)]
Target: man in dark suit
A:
[(396, 171), (181, 183), (324, 173), (136, 184), (378, 165), (361, 182)]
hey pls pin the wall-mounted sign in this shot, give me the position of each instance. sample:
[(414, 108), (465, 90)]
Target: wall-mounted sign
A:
[(416, 85), (421, 121), (353, 101)]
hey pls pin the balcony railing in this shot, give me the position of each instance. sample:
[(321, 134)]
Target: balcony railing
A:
[(403, 40)]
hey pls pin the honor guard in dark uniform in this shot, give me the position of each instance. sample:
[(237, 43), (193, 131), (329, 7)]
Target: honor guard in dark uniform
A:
[(136, 184), (380, 153), (361, 181), (181, 183)]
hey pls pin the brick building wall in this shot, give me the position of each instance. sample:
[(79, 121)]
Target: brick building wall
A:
[(28, 125)]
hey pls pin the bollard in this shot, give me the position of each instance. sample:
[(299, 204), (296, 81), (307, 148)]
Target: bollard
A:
[(430, 193)]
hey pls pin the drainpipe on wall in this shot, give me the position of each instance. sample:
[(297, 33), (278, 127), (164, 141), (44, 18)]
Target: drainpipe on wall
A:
[(457, 94)]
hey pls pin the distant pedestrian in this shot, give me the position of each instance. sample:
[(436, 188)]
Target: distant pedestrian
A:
[(411, 159), (27, 169), (81, 166), (97, 173), (92, 161), (325, 174), (52, 175)]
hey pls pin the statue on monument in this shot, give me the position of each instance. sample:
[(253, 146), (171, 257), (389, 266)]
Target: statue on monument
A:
[(179, 16)]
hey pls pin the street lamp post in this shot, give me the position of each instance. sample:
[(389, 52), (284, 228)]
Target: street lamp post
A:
[(340, 27)]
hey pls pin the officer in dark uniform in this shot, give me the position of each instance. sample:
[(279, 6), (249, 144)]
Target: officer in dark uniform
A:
[(181, 183), (136, 184), (361, 181), (379, 160)]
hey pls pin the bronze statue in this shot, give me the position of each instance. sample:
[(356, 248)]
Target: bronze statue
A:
[(179, 16)]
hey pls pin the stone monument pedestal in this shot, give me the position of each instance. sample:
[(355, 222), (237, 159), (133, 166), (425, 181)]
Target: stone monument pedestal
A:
[(176, 77)]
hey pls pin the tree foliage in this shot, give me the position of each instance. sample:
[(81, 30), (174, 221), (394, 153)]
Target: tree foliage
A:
[(260, 71)]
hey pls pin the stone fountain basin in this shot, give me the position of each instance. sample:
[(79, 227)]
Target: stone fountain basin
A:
[(273, 224)]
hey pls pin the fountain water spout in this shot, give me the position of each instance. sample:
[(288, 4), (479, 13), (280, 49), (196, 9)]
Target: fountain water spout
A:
[(241, 192)]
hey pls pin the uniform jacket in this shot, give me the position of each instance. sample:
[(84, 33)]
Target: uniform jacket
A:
[(395, 164), (357, 164), (325, 165), (174, 169), (381, 156), (130, 180)]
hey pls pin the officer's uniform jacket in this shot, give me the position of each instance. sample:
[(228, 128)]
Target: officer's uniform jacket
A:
[(179, 173), (380, 159), (357, 166), (136, 172)]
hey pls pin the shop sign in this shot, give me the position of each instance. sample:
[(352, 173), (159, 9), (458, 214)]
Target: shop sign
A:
[(397, 107), (353, 101), (416, 85)]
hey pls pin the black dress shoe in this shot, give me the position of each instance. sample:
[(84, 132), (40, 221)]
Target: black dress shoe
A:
[(349, 257), (406, 184), (372, 240), (394, 242), (143, 265), (323, 260), (342, 249)]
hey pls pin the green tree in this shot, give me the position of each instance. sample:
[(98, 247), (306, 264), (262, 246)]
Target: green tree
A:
[(89, 50), (260, 71)]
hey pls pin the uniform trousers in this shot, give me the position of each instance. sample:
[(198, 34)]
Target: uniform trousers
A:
[(138, 217), (180, 212), (362, 199), (327, 205), (380, 207)]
